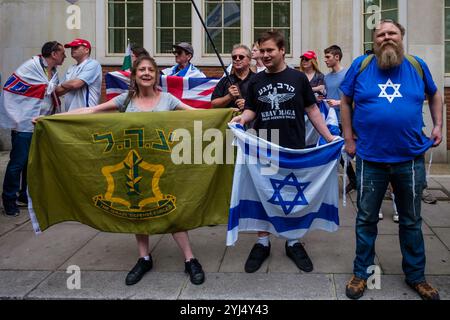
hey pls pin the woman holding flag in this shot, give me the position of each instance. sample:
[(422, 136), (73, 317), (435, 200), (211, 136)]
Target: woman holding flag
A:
[(144, 96)]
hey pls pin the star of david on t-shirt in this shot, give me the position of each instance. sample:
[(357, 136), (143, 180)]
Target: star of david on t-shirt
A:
[(395, 94)]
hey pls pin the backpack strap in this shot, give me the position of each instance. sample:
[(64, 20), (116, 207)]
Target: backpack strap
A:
[(408, 57), (365, 63), (415, 64)]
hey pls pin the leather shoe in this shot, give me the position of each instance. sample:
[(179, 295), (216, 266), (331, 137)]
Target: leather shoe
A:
[(298, 254), (195, 271), (256, 257), (142, 267)]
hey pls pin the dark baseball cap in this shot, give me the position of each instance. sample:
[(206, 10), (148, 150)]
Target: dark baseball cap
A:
[(185, 46)]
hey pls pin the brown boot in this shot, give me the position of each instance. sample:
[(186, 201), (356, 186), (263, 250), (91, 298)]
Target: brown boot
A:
[(425, 291), (355, 287)]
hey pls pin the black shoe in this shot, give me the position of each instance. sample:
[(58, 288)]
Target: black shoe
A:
[(256, 257), (22, 200), (298, 254), (195, 271), (10, 208), (142, 267)]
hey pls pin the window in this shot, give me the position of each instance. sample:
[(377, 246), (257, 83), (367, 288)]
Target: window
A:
[(173, 24), (373, 9), (447, 36), (223, 19), (272, 14), (125, 22), (158, 24)]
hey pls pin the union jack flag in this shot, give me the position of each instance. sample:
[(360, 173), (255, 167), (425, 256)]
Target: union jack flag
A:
[(195, 92), (117, 82)]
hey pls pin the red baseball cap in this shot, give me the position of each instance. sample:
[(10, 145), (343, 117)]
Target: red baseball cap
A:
[(309, 55), (78, 42)]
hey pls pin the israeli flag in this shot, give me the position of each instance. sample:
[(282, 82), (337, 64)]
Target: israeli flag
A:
[(312, 137), (286, 192)]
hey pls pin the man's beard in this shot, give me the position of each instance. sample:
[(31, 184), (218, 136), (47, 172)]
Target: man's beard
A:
[(389, 54)]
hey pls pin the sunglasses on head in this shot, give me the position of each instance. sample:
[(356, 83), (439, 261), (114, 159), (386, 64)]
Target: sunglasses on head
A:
[(236, 56), (55, 46)]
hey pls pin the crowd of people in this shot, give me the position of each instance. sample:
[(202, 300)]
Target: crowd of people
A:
[(382, 130)]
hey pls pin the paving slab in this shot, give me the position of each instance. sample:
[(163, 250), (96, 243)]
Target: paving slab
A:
[(444, 182), (236, 256), (209, 246), (444, 235), (388, 226), (437, 255), (10, 223), (347, 214), (279, 261), (433, 183), (109, 251), (111, 285), (23, 250), (262, 286), (393, 287), (436, 215), (439, 194), (16, 284), (331, 252)]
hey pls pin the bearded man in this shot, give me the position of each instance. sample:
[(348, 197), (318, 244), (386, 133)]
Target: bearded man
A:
[(384, 130)]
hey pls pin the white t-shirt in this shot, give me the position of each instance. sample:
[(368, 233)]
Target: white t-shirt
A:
[(90, 71)]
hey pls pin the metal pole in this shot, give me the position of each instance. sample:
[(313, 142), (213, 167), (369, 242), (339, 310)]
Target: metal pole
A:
[(212, 42)]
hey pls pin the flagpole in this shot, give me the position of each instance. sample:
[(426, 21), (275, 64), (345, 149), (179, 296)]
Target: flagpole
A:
[(212, 43)]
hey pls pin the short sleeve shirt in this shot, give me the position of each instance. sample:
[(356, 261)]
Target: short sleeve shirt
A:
[(279, 101), (387, 116), (167, 102), (222, 86), (90, 72)]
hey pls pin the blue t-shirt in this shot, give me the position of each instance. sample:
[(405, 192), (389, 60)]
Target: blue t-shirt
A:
[(332, 82), (387, 117)]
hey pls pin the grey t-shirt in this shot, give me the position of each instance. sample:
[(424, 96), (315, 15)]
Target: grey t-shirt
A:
[(167, 102)]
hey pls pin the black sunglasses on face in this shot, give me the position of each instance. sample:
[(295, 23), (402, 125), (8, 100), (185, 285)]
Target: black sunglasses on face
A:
[(240, 56), (177, 52)]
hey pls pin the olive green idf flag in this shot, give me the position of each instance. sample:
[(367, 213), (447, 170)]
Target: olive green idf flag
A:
[(145, 173)]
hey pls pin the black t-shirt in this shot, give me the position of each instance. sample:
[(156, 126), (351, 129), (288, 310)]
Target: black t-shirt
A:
[(279, 100), (221, 89)]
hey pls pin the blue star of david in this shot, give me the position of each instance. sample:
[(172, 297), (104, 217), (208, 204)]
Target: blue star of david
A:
[(277, 198)]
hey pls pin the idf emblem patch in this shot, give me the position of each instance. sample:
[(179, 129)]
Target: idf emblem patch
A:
[(133, 190)]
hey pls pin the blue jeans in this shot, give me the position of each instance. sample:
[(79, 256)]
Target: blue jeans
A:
[(16, 171), (407, 180)]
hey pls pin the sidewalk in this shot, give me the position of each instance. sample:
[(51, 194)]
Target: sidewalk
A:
[(34, 267)]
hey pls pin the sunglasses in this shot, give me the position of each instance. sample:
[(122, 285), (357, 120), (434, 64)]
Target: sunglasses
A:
[(240, 56), (55, 46), (177, 52)]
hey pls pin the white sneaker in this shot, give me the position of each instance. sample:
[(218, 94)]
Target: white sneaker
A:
[(380, 215), (395, 217)]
